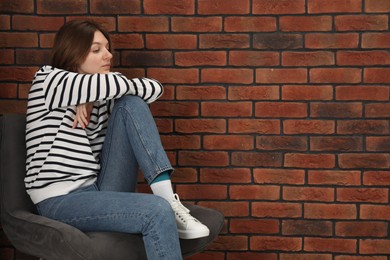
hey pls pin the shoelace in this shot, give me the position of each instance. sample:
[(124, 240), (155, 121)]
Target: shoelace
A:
[(182, 212)]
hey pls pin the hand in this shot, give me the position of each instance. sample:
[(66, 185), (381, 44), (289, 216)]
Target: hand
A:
[(83, 112)]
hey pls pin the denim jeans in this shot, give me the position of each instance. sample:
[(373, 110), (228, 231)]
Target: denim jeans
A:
[(111, 204)]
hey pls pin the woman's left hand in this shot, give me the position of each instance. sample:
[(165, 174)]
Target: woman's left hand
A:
[(83, 112)]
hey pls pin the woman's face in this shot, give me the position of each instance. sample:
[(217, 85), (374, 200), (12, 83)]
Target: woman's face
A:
[(99, 56)]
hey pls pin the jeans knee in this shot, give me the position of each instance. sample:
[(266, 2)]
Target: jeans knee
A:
[(130, 101), (163, 211)]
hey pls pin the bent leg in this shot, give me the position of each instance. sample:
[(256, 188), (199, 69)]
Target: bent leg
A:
[(91, 210)]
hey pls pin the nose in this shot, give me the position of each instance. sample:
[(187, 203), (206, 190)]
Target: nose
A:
[(108, 55)]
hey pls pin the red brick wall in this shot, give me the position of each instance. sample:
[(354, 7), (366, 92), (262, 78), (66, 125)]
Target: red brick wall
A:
[(276, 112)]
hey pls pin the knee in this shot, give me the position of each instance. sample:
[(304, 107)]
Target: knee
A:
[(130, 101), (163, 212)]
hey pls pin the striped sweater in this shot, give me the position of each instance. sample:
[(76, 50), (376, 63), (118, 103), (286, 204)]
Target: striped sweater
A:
[(60, 158)]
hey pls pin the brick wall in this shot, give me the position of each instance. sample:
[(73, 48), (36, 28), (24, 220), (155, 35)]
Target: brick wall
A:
[(276, 112)]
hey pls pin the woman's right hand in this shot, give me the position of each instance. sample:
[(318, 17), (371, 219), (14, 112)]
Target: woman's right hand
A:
[(83, 112)]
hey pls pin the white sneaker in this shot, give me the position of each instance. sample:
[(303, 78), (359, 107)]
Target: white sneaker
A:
[(188, 227)]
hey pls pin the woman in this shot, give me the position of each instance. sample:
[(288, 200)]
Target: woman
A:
[(88, 131)]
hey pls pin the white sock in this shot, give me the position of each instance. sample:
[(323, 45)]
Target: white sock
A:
[(163, 189)]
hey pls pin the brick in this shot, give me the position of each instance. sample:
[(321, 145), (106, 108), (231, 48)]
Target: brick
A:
[(309, 127), (7, 56), (46, 40), (363, 58), (200, 92), (361, 22), (307, 92), (225, 109), (375, 40), (297, 160), (132, 72), (229, 175), (146, 58), (335, 75), (65, 7), (329, 211), (223, 41), (109, 23), (331, 41), (215, 192), (286, 143), (115, 7), (142, 24), (200, 58), (276, 209), (281, 75), (196, 24), (254, 192), (228, 209), (334, 6), (5, 22), (275, 243), (18, 39), (277, 41), (364, 93), (364, 160), (336, 110), (223, 7), (377, 110), (334, 245), (228, 142), (377, 6), (195, 158), (237, 76), (180, 142), (336, 178), (305, 23), (253, 92), (346, 257), (248, 159), (336, 143), (32, 57), (250, 256), (254, 226), (253, 58), (22, 74), (230, 243), (377, 75), (127, 41), (200, 125), (281, 109), (279, 176), (23, 90), (375, 212), (185, 7), (307, 59), (250, 24), (308, 194), (185, 175), (260, 126), (179, 76), (170, 41), (305, 256), (17, 6), (362, 127), (169, 93), (186, 109), (361, 229), (278, 7), (378, 144), (8, 90), (307, 228), (35, 23), (208, 255), (374, 246), (376, 178), (374, 195), (13, 107)]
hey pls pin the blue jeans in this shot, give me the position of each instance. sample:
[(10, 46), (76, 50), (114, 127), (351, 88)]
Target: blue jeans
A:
[(111, 204)]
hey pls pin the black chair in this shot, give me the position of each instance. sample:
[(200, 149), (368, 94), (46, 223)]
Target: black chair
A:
[(38, 236)]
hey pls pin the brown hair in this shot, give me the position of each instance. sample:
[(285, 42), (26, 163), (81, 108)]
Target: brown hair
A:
[(72, 43)]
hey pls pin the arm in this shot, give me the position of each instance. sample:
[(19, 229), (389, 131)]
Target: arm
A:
[(63, 88)]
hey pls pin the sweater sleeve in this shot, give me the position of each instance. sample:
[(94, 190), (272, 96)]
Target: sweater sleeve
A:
[(63, 88)]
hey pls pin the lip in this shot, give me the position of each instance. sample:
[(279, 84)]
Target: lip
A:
[(107, 65)]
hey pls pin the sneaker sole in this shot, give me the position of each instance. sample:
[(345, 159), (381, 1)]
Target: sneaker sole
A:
[(193, 235)]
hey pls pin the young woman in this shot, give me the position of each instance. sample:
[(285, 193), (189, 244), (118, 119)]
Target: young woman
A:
[(88, 132)]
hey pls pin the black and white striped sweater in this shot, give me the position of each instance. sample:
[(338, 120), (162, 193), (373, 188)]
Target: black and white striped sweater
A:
[(60, 158)]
